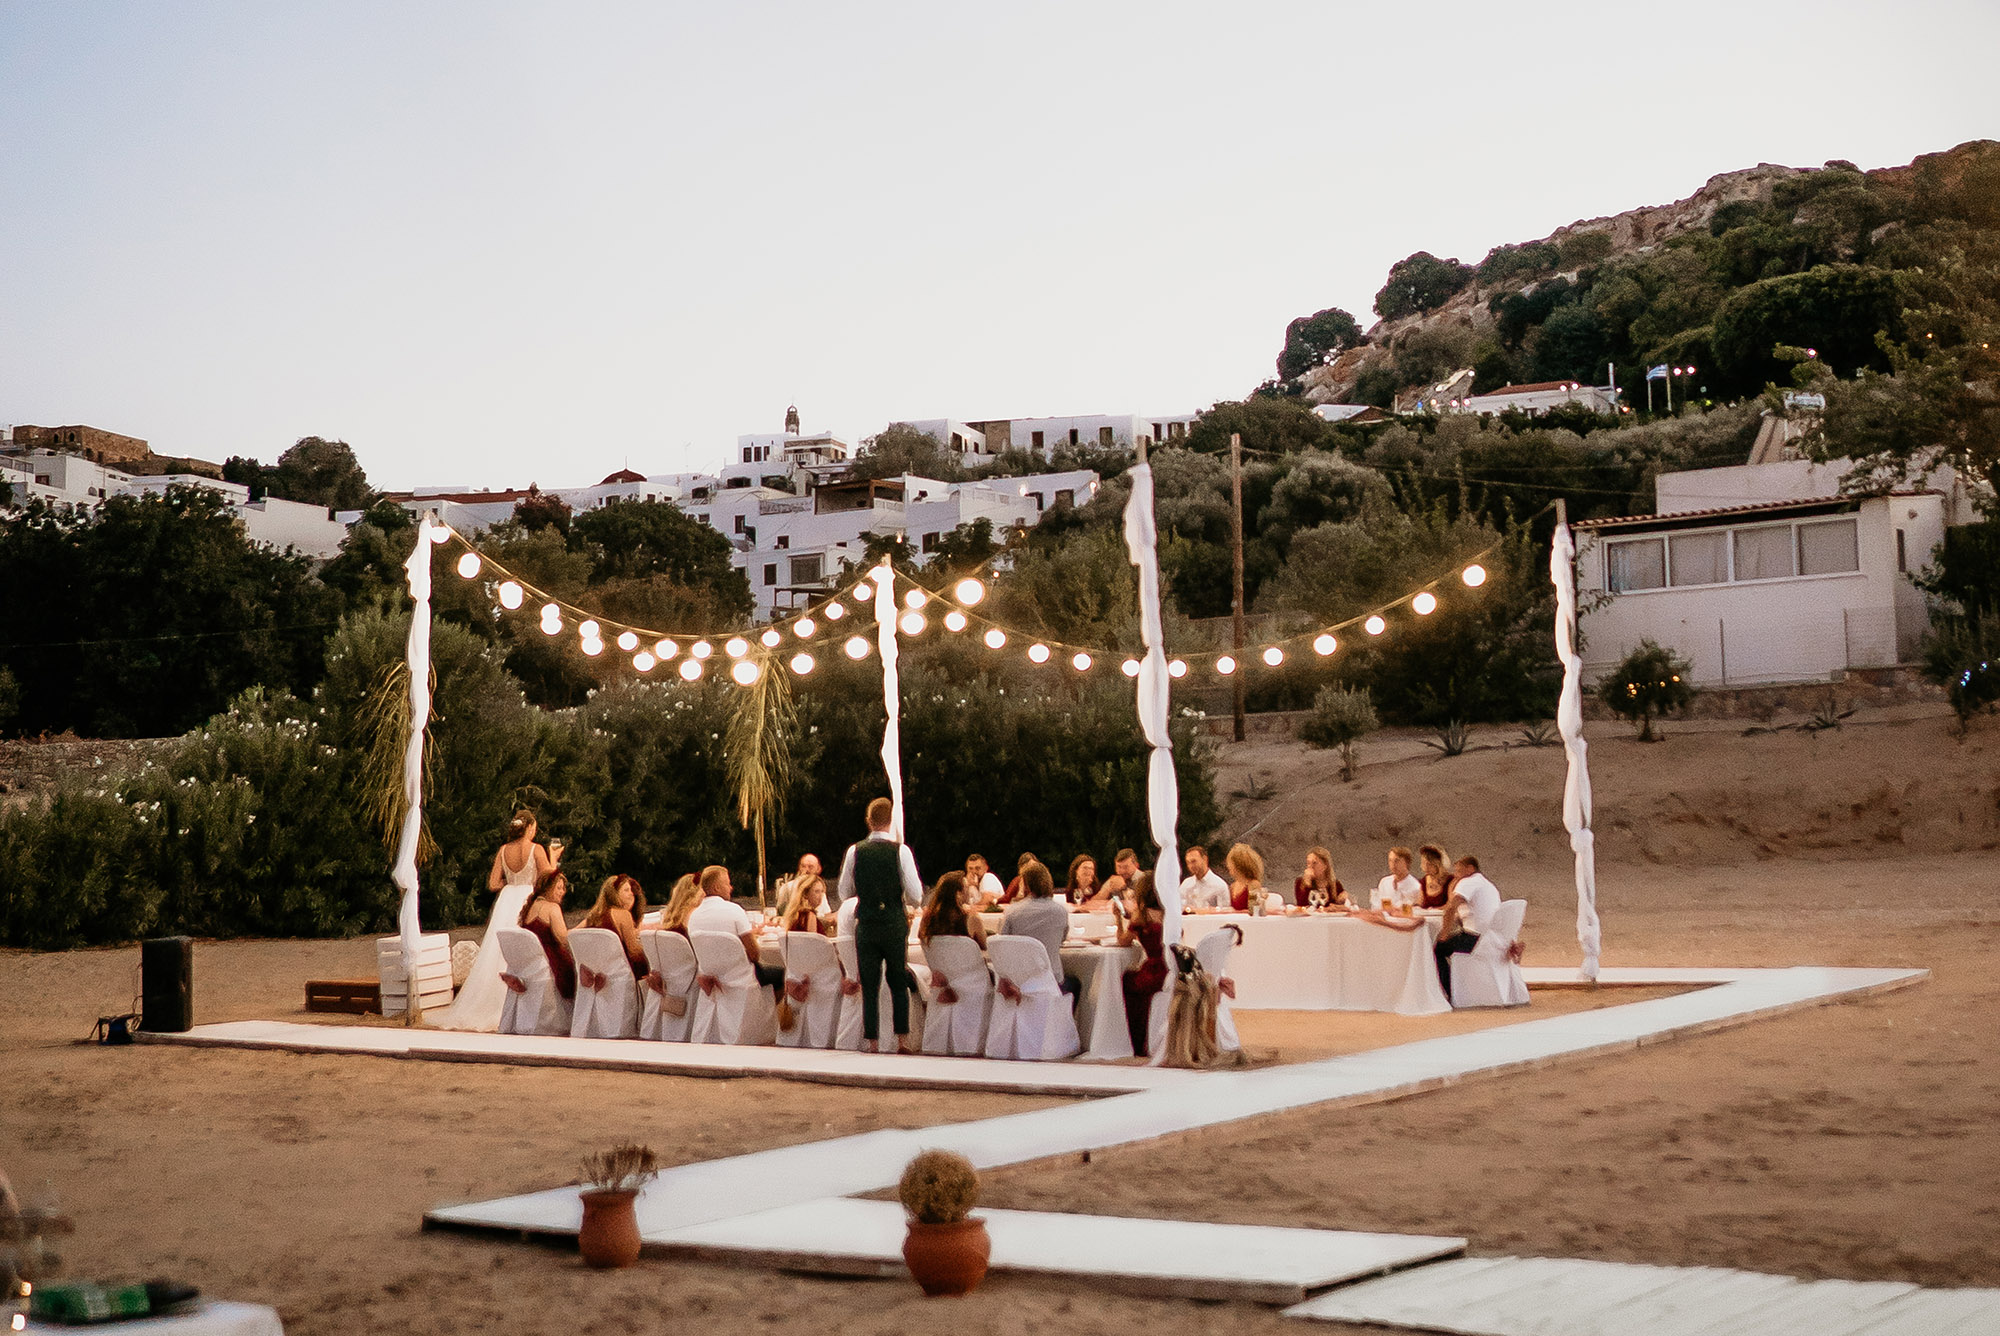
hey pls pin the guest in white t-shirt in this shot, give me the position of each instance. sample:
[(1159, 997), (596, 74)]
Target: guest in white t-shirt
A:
[(1474, 901), (717, 912), (982, 886), (1399, 887), (1202, 889)]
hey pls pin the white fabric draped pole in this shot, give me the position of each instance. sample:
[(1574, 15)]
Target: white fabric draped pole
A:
[(404, 874), (1569, 721), (884, 577), (1163, 797)]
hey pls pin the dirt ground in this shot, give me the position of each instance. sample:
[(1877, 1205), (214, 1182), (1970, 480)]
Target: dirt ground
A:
[(1850, 1140)]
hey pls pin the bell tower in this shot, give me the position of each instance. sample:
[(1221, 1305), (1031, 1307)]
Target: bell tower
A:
[(792, 420)]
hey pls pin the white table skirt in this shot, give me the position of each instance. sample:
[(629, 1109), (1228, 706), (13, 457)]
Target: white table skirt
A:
[(1328, 962), (1100, 1007), (208, 1318)]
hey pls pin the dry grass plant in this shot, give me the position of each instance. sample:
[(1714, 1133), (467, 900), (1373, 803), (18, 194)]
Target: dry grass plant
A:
[(939, 1187), (622, 1168)]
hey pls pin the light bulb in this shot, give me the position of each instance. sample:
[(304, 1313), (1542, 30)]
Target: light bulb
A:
[(1225, 665), (1424, 604), (736, 647), (803, 628), (665, 649), (1375, 626), (771, 638), (1130, 667), (914, 599), (995, 638), (1178, 668), (690, 670), (510, 595), (802, 663), (745, 671), (441, 535), (954, 620), (1474, 576), (701, 649), (590, 630), (912, 624), (1038, 653), (968, 592), (643, 661), (551, 612), (1081, 662), (834, 612), (856, 647), (593, 647), (628, 641), (1325, 644), (1274, 656), (552, 626), (468, 565)]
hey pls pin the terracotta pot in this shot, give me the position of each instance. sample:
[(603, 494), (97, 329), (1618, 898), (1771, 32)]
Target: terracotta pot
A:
[(948, 1259), (609, 1236)]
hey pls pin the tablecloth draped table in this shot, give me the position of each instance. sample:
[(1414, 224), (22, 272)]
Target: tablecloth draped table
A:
[(1329, 962), (1100, 1006)]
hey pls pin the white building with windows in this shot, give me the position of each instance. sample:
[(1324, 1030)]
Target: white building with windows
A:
[(1765, 573), (1043, 436)]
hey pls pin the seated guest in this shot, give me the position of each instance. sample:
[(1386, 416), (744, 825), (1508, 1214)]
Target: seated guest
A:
[(1143, 981), (1318, 876), (1040, 916), (1016, 891), (1246, 890), (1436, 877), (809, 911), (980, 883), (1123, 868), (543, 916), (680, 903), (617, 908), (1399, 887), (1085, 891), (1469, 912), (787, 888), (719, 912), (944, 912), (1202, 890)]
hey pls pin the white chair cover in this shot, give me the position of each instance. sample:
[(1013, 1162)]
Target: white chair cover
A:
[(735, 1009), (540, 1009), (1213, 951), (1486, 976), (610, 1011), (847, 1033), (1037, 1023), (812, 966), (959, 1026), (672, 959)]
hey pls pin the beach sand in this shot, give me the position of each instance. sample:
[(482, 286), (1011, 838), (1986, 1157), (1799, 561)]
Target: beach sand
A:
[(1850, 1140)]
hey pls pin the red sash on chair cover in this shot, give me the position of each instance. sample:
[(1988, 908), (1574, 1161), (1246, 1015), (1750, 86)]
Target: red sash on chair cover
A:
[(1226, 985), (656, 983), (514, 984), (1009, 990), (797, 989), (590, 978), (708, 983), (947, 996), (850, 987)]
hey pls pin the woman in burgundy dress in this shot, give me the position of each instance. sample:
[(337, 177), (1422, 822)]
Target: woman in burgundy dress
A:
[(1437, 877), (542, 916), (1143, 981), (1319, 876)]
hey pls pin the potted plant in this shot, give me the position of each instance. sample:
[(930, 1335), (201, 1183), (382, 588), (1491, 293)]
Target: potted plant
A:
[(609, 1235), (947, 1247)]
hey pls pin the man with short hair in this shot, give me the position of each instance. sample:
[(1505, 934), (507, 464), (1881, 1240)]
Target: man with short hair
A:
[(1399, 887), (1124, 867), (1468, 913), (881, 874), (1043, 917), (719, 912), (1202, 889), (979, 877)]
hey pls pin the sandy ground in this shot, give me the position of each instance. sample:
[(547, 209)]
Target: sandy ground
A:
[(1850, 1140)]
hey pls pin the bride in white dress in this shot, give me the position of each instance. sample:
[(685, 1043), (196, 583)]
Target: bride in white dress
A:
[(518, 865)]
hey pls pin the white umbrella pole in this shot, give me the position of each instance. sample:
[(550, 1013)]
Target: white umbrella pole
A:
[(884, 577), (1569, 722), (1163, 798), (418, 568)]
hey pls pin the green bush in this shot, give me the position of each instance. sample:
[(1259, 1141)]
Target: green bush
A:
[(1341, 716), (1651, 680)]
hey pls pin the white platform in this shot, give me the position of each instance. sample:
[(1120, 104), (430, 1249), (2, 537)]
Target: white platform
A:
[(211, 1318), (1511, 1296), (1154, 1257)]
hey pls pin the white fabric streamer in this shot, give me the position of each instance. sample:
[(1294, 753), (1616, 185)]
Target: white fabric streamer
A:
[(884, 577), (1569, 722), (404, 874), (1163, 796)]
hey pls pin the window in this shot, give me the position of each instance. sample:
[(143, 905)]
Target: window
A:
[(1156, 431), (1066, 497), (1176, 430), (770, 573), (1636, 564), (1037, 499), (784, 541), (1072, 436), (1036, 437), (957, 441), (739, 524), (930, 542), (1902, 552), (807, 570), (1764, 554), (1700, 558), (1104, 438), (746, 454), (1829, 548)]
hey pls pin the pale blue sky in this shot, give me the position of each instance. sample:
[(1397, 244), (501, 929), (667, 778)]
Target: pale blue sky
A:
[(490, 243)]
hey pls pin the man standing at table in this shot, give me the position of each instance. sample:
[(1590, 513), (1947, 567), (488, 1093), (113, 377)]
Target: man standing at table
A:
[(1202, 889), (880, 874), (1468, 913), (1399, 887)]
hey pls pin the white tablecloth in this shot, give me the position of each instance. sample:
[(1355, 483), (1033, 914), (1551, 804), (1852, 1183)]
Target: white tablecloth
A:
[(1328, 962), (1100, 1008)]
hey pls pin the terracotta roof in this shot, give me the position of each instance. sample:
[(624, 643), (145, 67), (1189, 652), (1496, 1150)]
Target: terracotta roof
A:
[(462, 498), (623, 475), (1810, 503), (1539, 387)]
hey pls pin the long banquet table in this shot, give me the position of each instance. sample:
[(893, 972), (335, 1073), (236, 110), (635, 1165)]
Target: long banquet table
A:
[(1328, 962)]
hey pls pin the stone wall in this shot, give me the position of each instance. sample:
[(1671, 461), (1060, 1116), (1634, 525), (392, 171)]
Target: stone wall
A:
[(1858, 688), (105, 447)]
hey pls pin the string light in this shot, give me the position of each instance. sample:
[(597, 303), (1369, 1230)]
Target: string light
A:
[(1475, 576), (1081, 662), (1324, 645), (1178, 668), (771, 638), (856, 647), (441, 535), (1038, 653), (1225, 665), (690, 670), (996, 638), (954, 620), (1274, 656), (665, 649), (593, 647), (1130, 667), (628, 641), (736, 647), (914, 599), (802, 663), (590, 630), (1375, 626), (701, 649), (912, 624), (803, 628), (510, 595), (468, 565), (643, 661), (968, 592), (1424, 604), (551, 612), (551, 626), (834, 612), (746, 672)]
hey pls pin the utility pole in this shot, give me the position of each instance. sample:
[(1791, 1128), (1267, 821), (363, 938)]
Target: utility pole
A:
[(1236, 597)]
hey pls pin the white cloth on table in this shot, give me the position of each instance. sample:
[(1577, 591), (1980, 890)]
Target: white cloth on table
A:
[(1406, 890), (1482, 902), (1207, 891), (482, 997), (1100, 1003), (913, 885), (1329, 962)]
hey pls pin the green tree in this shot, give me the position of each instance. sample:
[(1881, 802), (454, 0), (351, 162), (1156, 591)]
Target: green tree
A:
[(539, 510), (1651, 680), (965, 549), (900, 449), (1310, 338), (637, 539), (315, 471), (1941, 407), (1837, 310), (1418, 283), (1273, 426), (1341, 716)]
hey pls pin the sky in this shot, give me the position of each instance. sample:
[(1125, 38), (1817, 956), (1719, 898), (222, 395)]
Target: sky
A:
[(493, 243)]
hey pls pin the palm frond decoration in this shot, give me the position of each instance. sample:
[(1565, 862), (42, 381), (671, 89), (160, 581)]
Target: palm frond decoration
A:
[(759, 746), (385, 721)]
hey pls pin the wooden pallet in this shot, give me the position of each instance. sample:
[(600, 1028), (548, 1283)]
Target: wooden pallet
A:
[(353, 997)]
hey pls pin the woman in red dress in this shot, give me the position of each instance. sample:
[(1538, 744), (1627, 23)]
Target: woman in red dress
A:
[(1319, 876), (543, 916), (1143, 981), (1437, 877)]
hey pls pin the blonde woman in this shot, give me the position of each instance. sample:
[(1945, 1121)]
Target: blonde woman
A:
[(1246, 884), (681, 901), (518, 865), (808, 910)]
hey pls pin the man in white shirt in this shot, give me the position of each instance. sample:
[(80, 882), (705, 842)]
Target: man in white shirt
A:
[(788, 887), (1399, 887), (1474, 901), (984, 884), (1202, 889), (718, 912)]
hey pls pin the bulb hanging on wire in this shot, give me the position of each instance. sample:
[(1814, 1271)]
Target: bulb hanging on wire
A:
[(1038, 653), (968, 592), (856, 647), (746, 672), (1424, 604), (1324, 644), (771, 638), (643, 661), (690, 670), (1474, 576), (1274, 656), (736, 647), (510, 595), (589, 630), (914, 599), (468, 565), (665, 649), (593, 647), (628, 641), (834, 612), (1130, 667), (803, 628), (954, 620), (1374, 626), (1081, 662), (802, 663), (996, 638), (1178, 668), (701, 649), (912, 624), (1225, 665)]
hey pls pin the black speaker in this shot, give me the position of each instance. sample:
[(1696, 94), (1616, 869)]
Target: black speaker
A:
[(166, 972)]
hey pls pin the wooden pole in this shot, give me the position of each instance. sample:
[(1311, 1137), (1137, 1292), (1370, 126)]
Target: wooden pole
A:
[(1236, 596)]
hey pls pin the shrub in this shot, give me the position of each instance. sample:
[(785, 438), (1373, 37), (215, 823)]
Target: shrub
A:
[(1963, 656), (1341, 716), (1652, 680), (939, 1187)]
